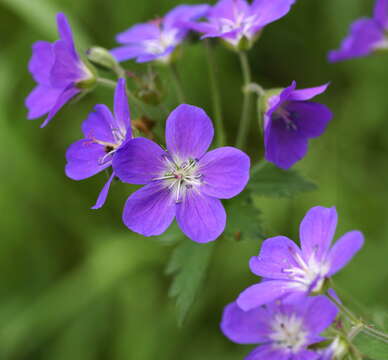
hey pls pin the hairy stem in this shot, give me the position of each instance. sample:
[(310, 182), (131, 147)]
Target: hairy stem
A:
[(177, 82), (216, 98), (244, 122)]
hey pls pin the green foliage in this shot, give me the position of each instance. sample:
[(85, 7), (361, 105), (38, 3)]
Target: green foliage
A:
[(269, 180), (188, 264), (244, 219), (371, 348)]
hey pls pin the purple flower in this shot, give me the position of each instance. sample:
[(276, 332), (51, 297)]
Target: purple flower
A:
[(366, 35), (156, 40), (104, 135), (336, 350), (234, 20), (285, 330), (184, 181), (288, 270), (59, 72), (290, 121)]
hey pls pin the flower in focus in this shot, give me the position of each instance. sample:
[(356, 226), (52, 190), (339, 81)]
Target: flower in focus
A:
[(288, 270), (290, 121), (366, 35), (285, 330), (156, 40), (104, 134), (59, 72), (237, 20), (184, 181)]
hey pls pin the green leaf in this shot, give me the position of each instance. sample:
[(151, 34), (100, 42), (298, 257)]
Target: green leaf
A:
[(244, 219), (268, 180), (371, 347), (189, 262)]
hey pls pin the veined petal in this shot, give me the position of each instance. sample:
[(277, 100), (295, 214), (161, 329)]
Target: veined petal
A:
[(344, 250), (380, 13), (268, 352), (41, 61), (362, 39), (317, 230), (269, 11), (201, 218), (66, 34), (264, 293), (308, 93), (245, 327), (150, 210), (66, 95), (104, 193), (139, 33), (319, 314), (189, 132), (41, 100), (121, 108), (309, 118), (276, 255), (139, 161), (84, 159), (98, 125), (225, 172)]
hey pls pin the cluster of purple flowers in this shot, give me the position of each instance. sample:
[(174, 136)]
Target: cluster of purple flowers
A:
[(185, 181), (279, 312)]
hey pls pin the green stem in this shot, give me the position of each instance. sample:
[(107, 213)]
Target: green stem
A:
[(112, 85), (177, 83), (216, 98), (353, 318), (371, 331), (244, 123)]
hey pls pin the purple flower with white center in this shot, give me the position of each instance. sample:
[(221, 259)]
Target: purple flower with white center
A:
[(104, 133), (234, 20), (184, 181), (284, 330), (366, 36), (290, 121), (156, 40), (59, 72), (288, 270)]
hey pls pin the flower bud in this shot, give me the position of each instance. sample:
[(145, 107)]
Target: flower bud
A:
[(102, 58)]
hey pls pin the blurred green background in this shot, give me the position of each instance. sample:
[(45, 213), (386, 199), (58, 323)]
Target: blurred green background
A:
[(76, 284)]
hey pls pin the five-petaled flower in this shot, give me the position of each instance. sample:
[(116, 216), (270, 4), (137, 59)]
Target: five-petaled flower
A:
[(183, 181), (290, 121), (59, 72), (235, 20), (288, 270), (284, 330), (104, 134), (366, 35), (156, 40)]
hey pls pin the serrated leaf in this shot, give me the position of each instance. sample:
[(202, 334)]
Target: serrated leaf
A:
[(244, 219), (189, 262), (371, 347), (268, 180)]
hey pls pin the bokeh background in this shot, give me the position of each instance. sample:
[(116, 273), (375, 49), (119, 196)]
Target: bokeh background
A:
[(76, 284)]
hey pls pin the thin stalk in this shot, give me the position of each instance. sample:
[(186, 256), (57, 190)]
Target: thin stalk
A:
[(244, 122), (177, 82), (353, 318), (216, 98), (371, 331), (112, 85)]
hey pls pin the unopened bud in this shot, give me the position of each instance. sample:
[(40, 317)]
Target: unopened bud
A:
[(102, 58)]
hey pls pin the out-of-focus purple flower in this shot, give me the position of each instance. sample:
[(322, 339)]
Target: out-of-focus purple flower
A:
[(59, 72), (104, 134), (290, 120), (288, 270), (235, 20), (285, 330), (366, 35), (184, 181), (156, 40)]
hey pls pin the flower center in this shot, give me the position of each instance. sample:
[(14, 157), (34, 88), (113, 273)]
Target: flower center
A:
[(282, 113), (160, 45), (311, 275), (180, 176), (288, 332)]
